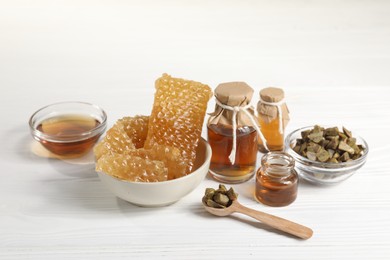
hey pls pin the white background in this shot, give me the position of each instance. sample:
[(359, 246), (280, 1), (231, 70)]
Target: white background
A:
[(331, 57)]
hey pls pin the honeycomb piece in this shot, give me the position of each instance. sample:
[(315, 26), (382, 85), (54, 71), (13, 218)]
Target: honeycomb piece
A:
[(115, 141), (136, 128), (132, 168), (170, 156), (177, 116)]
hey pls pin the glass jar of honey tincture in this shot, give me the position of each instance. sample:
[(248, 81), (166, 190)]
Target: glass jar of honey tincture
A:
[(273, 117), (276, 180), (232, 134)]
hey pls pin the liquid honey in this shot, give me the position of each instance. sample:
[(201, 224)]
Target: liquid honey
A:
[(272, 111), (276, 183), (67, 134), (275, 139), (220, 138)]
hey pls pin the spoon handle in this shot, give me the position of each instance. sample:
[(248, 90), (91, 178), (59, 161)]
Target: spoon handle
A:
[(276, 222)]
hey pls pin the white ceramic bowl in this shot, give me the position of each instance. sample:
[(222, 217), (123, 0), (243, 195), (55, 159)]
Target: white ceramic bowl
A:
[(323, 173), (156, 194)]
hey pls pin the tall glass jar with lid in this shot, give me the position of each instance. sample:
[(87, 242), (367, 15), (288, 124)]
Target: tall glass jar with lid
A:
[(232, 133)]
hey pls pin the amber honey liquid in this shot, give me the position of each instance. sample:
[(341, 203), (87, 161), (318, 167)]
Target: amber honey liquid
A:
[(270, 130), (274, 190), (220, 139), (64, 128)]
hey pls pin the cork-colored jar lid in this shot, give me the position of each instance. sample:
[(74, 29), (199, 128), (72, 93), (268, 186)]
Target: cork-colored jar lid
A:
[(234, 93), (272, 94)]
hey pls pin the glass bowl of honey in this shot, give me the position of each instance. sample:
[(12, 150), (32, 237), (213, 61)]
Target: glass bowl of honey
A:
[(316, 163), (68, 129)]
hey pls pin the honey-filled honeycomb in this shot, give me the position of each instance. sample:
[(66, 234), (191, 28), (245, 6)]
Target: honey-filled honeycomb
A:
[(126, 138), (132, 168), (136, 128), (177, 116), (116, 140), (162, 146), (170, 156)]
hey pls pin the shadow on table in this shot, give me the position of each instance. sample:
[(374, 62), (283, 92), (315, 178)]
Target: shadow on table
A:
[(238, 219), (84, 196), (22, 142), (71, 187)]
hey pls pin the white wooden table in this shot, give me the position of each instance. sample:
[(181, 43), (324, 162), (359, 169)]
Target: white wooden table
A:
[(331, 57)]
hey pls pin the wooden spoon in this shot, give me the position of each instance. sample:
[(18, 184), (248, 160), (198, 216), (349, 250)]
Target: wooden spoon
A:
[(270, 220)]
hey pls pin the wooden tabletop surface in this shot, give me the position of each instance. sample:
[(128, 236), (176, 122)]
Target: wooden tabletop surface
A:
[(332, 58)]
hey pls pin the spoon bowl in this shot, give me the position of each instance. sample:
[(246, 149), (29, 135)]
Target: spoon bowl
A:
[(220, 212), (268, 219)]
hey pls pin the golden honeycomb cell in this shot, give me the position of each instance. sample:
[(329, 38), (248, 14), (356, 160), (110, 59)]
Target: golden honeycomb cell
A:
[(170, 156), (123, 139), (177, 116), (132, 168), (116, 140), (136, 128)]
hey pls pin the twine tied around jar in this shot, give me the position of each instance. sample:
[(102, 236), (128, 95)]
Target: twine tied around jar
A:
[(244, 109)]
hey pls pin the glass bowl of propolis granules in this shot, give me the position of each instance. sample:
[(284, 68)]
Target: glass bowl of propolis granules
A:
[(326, 155)]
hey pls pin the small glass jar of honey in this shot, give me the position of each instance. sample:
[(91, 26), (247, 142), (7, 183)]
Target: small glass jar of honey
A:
[(273, 117), (276, 180)]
